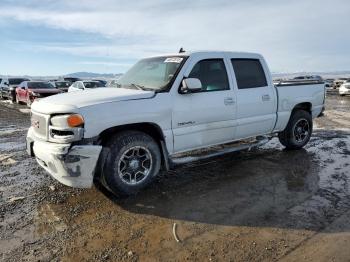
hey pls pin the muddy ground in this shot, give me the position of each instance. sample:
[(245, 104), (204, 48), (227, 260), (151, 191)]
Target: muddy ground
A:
[(264, 205)]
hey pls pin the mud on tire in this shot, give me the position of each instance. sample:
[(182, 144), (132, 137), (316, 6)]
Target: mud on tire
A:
[(298, 130), (132, 162)]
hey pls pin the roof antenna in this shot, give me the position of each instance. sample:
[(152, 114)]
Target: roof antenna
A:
[(182, 50)]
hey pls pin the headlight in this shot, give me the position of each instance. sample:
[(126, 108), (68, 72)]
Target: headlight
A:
[(74, 120)]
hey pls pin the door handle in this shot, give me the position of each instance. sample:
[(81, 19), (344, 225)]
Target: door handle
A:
[(265, 98), (229, 101)]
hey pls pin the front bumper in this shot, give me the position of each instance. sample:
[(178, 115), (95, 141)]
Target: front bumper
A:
[(71, 165)]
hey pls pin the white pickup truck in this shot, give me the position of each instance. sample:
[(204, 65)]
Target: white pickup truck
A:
[(166, 107)]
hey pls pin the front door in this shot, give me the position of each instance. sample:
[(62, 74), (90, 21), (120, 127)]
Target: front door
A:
[(206, 117)]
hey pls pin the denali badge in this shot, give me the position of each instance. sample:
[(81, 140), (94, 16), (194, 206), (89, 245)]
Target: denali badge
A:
[(35, 123), (186, 123)]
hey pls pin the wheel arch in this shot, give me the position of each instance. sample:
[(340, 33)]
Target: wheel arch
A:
[(306, 106), (151, 129)]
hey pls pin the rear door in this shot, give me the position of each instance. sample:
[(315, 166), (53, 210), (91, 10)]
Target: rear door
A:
[(206, 117), (256, 97)]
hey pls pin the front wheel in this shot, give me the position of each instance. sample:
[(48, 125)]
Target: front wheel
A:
[(132, 162), (298, 131)]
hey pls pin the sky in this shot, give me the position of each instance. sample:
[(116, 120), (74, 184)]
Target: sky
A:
[(56, 37)]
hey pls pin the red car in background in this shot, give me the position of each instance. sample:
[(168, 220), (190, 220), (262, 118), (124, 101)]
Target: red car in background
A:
[(28, 91)]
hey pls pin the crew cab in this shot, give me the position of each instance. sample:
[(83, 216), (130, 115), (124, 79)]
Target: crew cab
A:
[(167, 110)]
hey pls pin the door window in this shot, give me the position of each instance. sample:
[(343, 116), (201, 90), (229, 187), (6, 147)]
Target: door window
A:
[(212, 74), (249, 73)]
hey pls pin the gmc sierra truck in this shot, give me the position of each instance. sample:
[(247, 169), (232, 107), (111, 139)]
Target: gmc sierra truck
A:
[(168, 110)]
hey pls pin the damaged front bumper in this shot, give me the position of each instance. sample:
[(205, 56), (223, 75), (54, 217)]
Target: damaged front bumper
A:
[(71, 165)]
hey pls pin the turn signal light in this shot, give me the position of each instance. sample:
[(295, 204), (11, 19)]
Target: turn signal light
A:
[(75, 120)]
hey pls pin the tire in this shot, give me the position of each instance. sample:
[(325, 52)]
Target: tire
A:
[(133, 161), (298, 131)]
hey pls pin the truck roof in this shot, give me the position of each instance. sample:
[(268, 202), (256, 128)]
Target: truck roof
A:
[(211, 52)]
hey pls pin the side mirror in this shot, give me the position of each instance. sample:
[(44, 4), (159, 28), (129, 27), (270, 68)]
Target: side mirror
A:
[(190, 85)]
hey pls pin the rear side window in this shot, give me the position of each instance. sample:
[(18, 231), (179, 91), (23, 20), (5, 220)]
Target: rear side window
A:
[(249, 73), (212, 74)]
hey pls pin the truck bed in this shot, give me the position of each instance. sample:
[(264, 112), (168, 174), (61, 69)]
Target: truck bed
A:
[(293, 92)]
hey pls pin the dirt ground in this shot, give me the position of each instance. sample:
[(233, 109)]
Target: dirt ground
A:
[(264, 205)]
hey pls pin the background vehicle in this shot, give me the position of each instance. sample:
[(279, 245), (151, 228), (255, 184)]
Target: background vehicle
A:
[(167, 106), (309, 77), (338, 82), (61, 85), (113, 83), (103, 82), (8, 88), (344, 89), (82, 85), (329, 83), (71, 79), (28, 91)]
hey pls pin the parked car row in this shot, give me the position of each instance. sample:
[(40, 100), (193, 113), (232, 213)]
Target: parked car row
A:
[(23, 90), (342, 84)]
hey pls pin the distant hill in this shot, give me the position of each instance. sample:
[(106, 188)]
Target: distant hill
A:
[(92, 75)]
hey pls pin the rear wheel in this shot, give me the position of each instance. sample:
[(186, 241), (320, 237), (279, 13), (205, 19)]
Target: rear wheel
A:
[(298, 131), (132, 162)]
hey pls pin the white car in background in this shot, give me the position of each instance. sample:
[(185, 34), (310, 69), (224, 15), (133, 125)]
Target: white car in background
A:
[(344, 89), (82, 85)]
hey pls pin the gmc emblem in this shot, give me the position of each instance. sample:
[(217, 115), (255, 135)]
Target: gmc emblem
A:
[(35, 123)]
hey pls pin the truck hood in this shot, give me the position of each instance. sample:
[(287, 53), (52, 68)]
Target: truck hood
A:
[(70, 102)]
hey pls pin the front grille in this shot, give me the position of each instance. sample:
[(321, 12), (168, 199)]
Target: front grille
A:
[(40, 124)]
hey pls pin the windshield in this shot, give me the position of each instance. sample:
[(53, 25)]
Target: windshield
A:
[(62, 84), (39, 85), (151, 73), (93, 84), (16, 81)]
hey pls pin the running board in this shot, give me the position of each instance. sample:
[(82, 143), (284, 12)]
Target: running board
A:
[(174, 161)]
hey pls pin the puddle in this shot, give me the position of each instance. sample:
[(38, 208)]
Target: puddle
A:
[(47, 221)]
